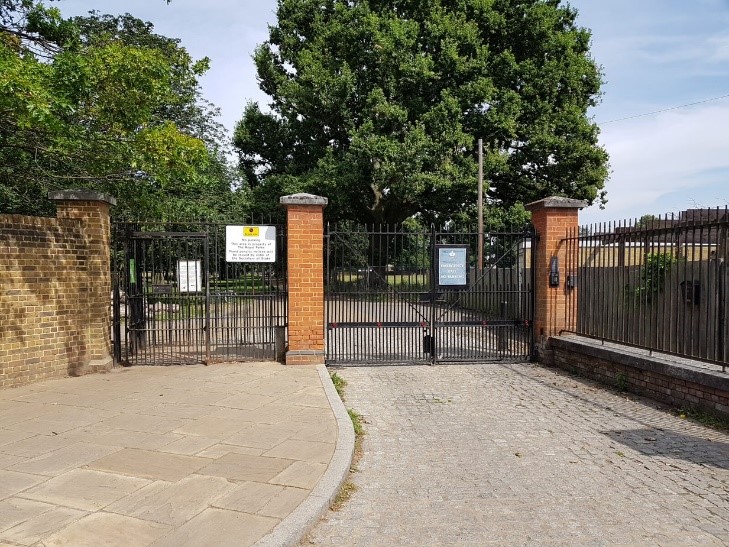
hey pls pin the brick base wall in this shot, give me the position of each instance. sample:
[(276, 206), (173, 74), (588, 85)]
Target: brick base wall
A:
[(43, 306), (55, 286), (660, 379)]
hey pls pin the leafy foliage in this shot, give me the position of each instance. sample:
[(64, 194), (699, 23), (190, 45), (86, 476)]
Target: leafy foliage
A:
[(102, 102), (653, 273), (377, 104)]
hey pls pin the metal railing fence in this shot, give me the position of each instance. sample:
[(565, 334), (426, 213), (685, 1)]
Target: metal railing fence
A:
[(658, 283), (398, 294), (177, 299)]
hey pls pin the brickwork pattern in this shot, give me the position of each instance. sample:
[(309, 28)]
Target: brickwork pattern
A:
[(676, 392), (55, 286), (306, 284), (97, 232), (551, 311), (524, 455), (43, 292)]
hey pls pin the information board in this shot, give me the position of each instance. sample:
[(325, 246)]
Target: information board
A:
[(250, 243), (189, 275), (452, 266)]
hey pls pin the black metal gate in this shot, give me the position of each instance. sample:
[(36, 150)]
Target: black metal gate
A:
[(397, 295), (177, 300)]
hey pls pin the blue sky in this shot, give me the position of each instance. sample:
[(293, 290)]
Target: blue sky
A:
[(655, 54)]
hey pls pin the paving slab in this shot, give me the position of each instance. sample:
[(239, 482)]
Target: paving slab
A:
[(12, 482), (149, 464), (32, 530), (264, 436), (300, 474), (173, 503), (308, 451), (64, 459), (148, 423), (170, 456), (109, 530), (84, 489), (220, 528), (214, 426), (189, 445), (34, 446), (15, 511), (249, 497), (284, 503), (244, 467)]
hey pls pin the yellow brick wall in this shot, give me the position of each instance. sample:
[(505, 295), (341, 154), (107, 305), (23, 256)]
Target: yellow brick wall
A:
[(54, 293)]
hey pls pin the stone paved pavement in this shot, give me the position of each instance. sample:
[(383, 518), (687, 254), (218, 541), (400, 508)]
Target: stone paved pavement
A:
[(523, 455), (162, 456)]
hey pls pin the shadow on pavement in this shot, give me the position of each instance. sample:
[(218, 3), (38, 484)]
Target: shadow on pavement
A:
[(654, 442)]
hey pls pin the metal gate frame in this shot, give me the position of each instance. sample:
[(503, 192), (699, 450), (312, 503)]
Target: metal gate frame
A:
[(382, 306), (176, 300)]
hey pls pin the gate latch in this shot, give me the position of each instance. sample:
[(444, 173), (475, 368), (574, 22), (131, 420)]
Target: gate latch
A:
[(428, 344)]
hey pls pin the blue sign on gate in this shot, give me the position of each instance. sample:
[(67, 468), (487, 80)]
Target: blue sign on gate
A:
[(452, 266)]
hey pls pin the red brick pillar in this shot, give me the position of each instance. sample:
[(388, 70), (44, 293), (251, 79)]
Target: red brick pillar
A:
[(305, 236), (93, 209), (555, 302)]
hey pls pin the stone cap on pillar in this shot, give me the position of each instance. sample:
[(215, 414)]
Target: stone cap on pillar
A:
[(556, 202), (303, 199), (80, 195)]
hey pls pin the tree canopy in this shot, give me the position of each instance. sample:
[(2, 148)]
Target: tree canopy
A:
[(378, 104), (104, 102)]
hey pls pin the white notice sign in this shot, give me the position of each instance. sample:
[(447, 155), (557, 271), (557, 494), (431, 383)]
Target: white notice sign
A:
[(189, 273), (250, 243)]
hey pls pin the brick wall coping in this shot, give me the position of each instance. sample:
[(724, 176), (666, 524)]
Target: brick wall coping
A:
[(80, 195), (667, 365), (556, 202), (303, 199)]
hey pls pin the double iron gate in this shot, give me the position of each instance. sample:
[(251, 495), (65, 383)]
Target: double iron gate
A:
[(398, 295), (177, 300), (393, 295)]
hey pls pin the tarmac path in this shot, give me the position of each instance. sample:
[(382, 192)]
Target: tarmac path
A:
[(518, 454)]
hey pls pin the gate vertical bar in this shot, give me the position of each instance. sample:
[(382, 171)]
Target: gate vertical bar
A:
[(534, 241), (206, 273), (116, 303), (433, 294), (721, 320)]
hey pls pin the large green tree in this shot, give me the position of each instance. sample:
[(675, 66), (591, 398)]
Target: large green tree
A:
[(378, 105), (103, 102)]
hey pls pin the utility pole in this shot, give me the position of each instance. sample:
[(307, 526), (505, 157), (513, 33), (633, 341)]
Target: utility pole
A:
[(480, 205)]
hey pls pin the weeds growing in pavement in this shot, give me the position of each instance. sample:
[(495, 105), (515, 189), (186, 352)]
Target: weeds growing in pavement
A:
[(704, 418), (348, 488)]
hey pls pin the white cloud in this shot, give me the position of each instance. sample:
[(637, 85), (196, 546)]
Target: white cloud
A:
[(720, 46), (669, 159)]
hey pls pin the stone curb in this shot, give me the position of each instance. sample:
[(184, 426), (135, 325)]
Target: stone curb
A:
[(294, 527)]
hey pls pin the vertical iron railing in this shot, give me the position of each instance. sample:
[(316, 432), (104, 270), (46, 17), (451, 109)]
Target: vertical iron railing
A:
[(177, 300), (384, 304), (658, 283)]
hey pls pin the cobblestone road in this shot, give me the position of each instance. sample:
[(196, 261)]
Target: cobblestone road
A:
[(523, 455)]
